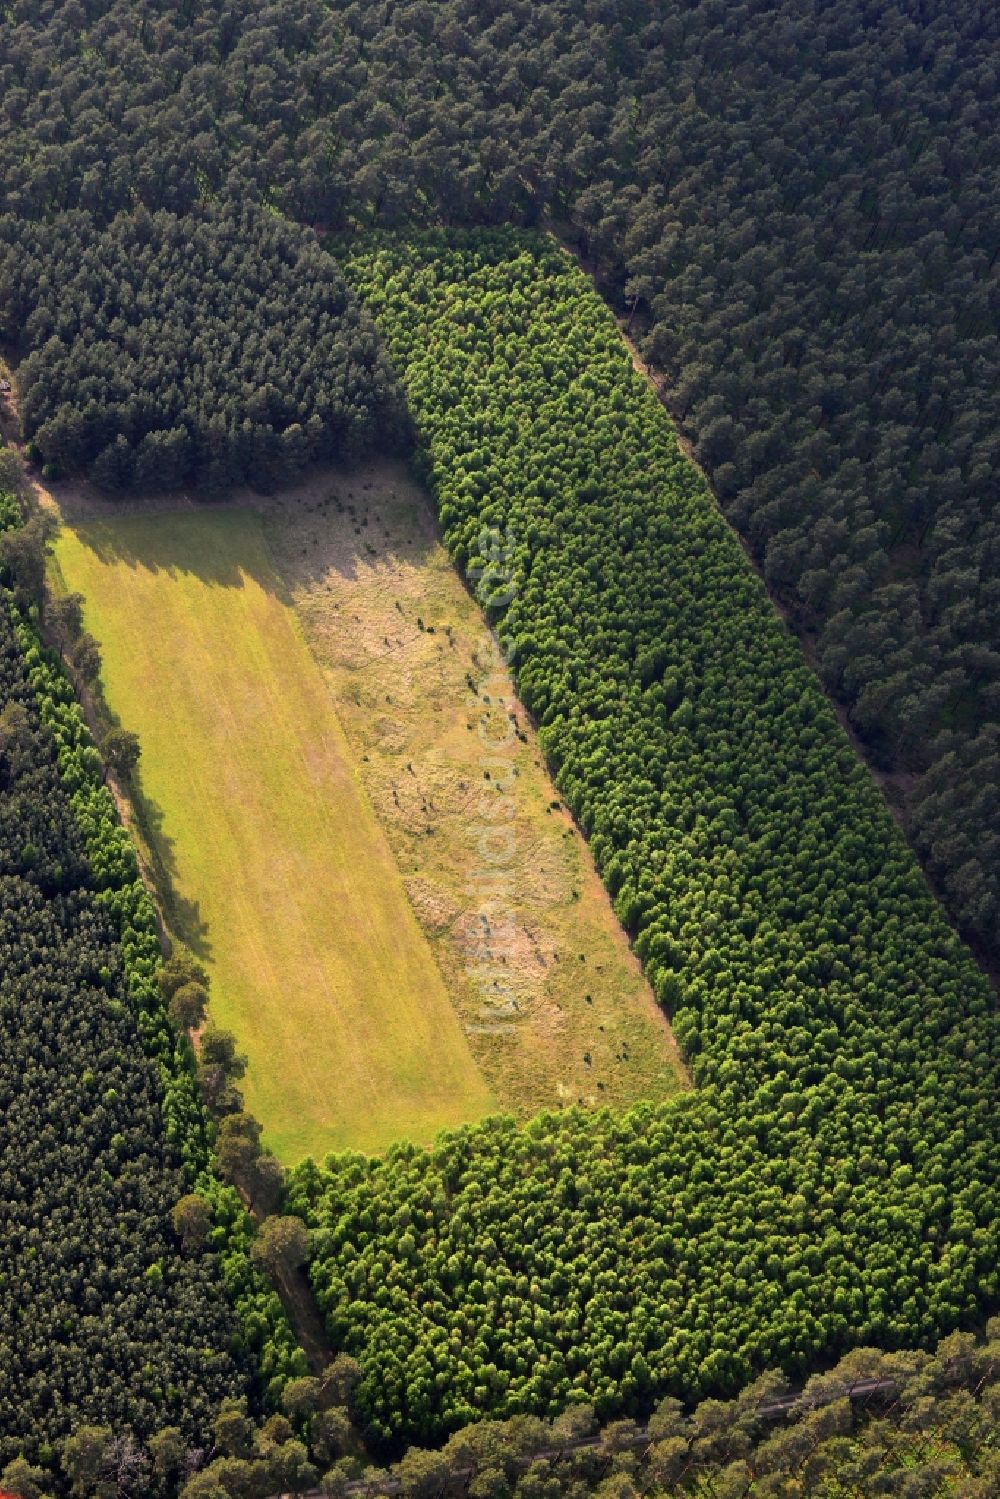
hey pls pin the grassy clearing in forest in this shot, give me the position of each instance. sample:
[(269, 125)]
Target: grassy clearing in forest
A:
[(275, 869), (294, 665), (503, 884)]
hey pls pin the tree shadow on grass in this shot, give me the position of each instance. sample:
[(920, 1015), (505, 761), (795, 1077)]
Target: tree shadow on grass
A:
[(221, 546), (181, 915), (226, 540)]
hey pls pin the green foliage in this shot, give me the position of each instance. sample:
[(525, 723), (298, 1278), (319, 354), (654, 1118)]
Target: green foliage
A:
[(214, 348), (179, 970), (22, 553), (87, 658), (192, 1221), (281, 1245), (219, 1067), (16, 741), (835, 1179), (121, 750), (302, 1397), (65, 615), (11, 515), (83, 1457), (20, 1479), (187, 1007)]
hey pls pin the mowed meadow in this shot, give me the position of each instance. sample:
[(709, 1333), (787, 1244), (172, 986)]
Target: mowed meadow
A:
[(276, 872), (312, 806)]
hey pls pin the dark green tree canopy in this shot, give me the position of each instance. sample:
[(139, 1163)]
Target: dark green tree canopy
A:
[(212, 348)]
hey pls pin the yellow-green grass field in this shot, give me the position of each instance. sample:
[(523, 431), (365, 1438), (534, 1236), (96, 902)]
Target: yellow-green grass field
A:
[(278, 873)]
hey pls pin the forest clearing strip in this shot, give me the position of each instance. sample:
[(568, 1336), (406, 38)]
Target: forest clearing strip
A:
[(281, 881)]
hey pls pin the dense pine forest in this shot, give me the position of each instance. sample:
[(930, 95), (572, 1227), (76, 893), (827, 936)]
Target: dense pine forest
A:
[(234, 241), (211, 349)]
